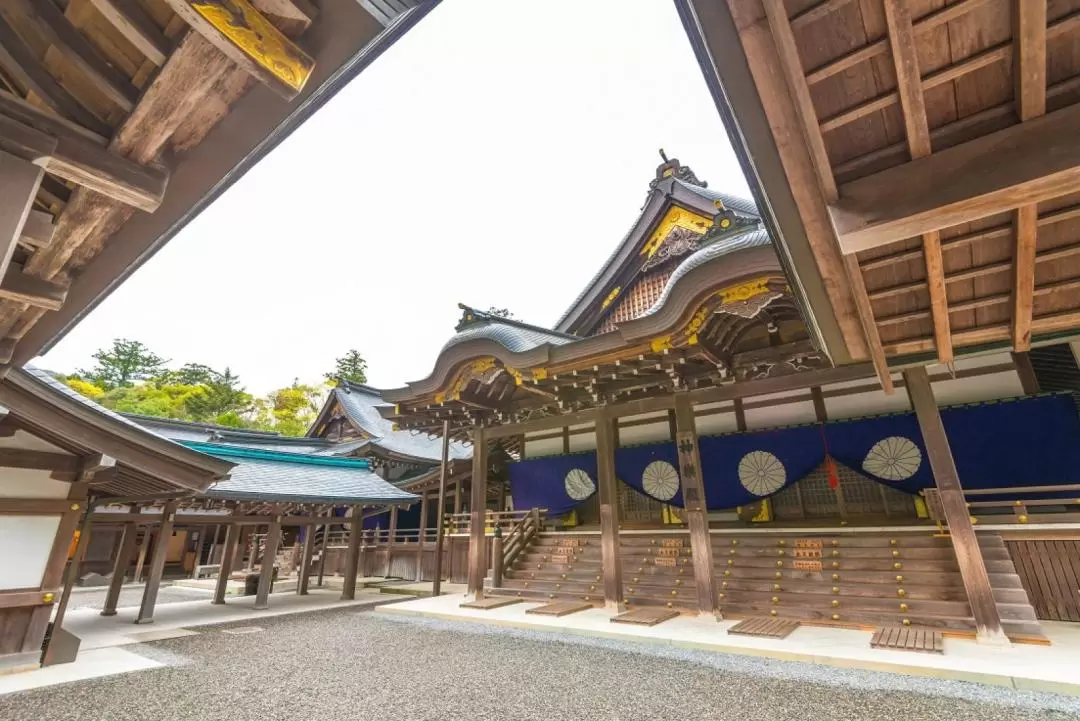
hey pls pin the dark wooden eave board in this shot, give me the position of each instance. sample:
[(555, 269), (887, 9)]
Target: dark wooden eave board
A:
[(716, 44), (344, 41)]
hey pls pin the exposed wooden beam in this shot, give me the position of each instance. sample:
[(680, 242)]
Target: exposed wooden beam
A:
[(387, 11), (1024, 278), (37, 231), (27, 113), (866, 316), (792, 69), (32, 75), (98, 463), (23, 288), (129, 19), (1026, 163), (1029, 67), (913, 106), (38, 460), (58, 30), (74, 158), (244, 35), (19, 183)]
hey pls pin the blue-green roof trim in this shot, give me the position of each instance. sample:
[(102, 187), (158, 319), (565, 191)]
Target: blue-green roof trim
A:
[(226, 451)]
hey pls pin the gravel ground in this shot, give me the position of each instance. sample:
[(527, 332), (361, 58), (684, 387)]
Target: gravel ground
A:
[(133, 596), (346, 664)]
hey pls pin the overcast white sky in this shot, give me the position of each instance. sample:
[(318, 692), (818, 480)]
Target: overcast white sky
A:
[(494, 156)]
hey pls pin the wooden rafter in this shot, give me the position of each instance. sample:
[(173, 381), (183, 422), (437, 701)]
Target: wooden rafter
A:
[(913, 104), (1027, 163), (1030, 71), (129, 19), (866, 316)]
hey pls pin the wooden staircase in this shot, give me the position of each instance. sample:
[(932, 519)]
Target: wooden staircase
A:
[(863, 579)]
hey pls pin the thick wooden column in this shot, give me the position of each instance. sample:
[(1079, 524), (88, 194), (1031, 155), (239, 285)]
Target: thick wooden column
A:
[(266, 567), (478, 511), (694, 506), (124, 557), (157, 564), (607, 487), (352, 556), (457, 497), (233, 533), (420, 538), (140, 560), (436, 583), (305, 560), (965, 543)]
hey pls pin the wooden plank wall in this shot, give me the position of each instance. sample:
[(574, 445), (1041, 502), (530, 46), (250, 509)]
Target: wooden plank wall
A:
[(1050, 572)]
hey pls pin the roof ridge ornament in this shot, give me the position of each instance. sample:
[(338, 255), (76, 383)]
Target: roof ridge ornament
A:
[(672, 168)]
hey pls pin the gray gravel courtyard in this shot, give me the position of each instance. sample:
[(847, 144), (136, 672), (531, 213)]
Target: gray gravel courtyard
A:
[(347, 664)]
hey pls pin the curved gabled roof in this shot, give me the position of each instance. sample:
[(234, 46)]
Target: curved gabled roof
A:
[(512, 335), (754, 238)]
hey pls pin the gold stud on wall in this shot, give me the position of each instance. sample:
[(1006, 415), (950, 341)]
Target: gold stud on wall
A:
[(901, 592), (779, 575), (836, 564), (899, 579), (772, 612), (836, 617), (836, 577), (776, 599), (779, 564), (836, 589), (898, 565), (892, 541), (835, 603), (776, 587), (903, 607), (896, 554), (907, 622)]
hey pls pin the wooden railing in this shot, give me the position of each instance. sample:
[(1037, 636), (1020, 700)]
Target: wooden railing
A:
[(1019, 506), (505, 520), (505, 549)]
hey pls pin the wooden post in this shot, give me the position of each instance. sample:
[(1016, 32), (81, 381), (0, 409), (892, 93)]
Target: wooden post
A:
[(390, 534), (607, 488), (478, 508), (497, 558), (352, 556), (305, 560), (214, 545), (266, 567), (75, 567), (130, 533), (457, 498), (148, 534), (233, 532), (694, 506), (157, 563), (965, 543), (440, 519), (420, 538)]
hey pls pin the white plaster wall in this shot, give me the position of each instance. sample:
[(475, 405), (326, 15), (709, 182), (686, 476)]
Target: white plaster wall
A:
[(865, 404), (781, 415), (645, 433), (26, 441), (979, 388), (27, 542), (27, 483), (716, 423), (582, 441), (543, 447)]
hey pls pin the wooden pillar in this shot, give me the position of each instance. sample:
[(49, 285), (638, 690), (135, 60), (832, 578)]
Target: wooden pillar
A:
[(608, 490), (157, 564), (965, 543), (233, 533), (457, 497), (148, 537), (305, 560), (75, 567), (266, 567), (694, 506), (124, 556), (352, 556), (420, 538), (440, 518), (478, 513)]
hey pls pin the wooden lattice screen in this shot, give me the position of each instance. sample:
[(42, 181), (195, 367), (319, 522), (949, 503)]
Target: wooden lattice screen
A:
[(638, 299), (858, 496)]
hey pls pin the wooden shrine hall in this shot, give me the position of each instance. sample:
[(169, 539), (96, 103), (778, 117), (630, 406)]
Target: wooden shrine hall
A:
[(683, 441), (119, 123)]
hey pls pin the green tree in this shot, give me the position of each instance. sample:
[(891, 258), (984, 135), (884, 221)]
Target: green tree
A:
[(350, 367), (148, 399), (290, 410), (126, 362)]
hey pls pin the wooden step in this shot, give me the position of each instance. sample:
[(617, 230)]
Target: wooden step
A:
[(490, 602), (765, 627), (905, 638), (646, 616), (560, 608)]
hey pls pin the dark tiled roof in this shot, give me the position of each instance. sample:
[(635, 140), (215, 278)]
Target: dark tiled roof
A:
[(514, 338), (752, 238), (731, 202), (178, 430), (361, 405), (296, 478)]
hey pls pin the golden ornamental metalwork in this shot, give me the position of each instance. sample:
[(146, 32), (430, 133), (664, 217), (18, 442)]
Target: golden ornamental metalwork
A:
[(255, 36), (47, 597), (611, 297), (539, 374), (674, 218), (744, 291), (661, 344)]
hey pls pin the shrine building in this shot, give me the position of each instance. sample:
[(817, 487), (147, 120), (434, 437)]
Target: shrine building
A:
[(680, 442)]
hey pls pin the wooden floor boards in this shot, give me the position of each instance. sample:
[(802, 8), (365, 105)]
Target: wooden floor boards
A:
[(645, 616), (904, 638), (560, 608), (486, 604), (764, 627)]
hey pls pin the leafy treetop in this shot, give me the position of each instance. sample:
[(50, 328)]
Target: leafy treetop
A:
[(350, 367)]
